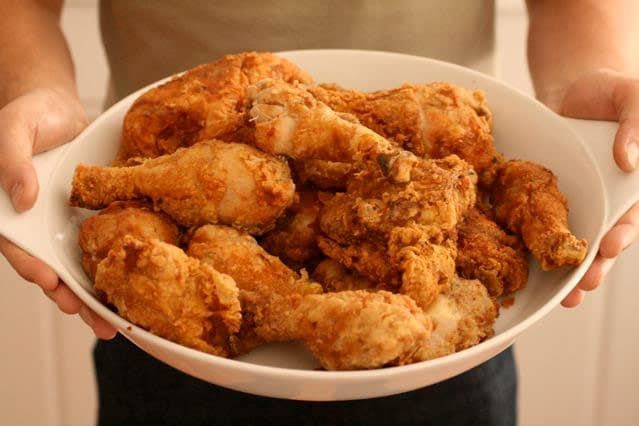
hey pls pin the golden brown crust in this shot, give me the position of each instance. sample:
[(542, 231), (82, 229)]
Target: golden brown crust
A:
[(206, 102), (101, 232), (487, 253), (157, 286), (527, 201), (210, 182)]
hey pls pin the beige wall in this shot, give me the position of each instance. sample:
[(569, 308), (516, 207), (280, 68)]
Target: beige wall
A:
[(576, 366)]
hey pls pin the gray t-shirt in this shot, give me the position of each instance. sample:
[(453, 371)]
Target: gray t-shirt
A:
[(149, 40)]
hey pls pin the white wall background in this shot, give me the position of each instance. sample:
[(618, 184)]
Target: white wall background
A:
[(577, 367)]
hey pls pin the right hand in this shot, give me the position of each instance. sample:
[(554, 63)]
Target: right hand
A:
[(35, 122)]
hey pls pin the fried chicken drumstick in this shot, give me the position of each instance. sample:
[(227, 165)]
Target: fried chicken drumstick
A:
[(528, 202), (206, 102), (346, 330), (210, 182), (431, 120), (290, 121)]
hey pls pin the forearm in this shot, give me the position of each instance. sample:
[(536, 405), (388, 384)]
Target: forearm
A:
[(568, 38), (34, 52)]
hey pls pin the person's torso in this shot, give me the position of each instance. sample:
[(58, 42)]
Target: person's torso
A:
[(149, 40)]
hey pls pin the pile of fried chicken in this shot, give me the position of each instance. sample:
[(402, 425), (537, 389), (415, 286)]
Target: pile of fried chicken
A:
[(249, 205)]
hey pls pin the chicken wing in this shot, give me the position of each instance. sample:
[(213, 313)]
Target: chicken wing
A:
[(487, 253), (528, 202), (157, 286), (210, 182), (207, 102), (431, 120), (101, 232)]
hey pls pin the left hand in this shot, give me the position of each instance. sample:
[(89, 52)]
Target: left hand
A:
[(604, 94)]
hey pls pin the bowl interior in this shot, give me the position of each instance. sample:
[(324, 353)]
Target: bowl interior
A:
[(523, 129)]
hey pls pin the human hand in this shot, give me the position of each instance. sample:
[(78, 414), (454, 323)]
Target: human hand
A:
[(34, 122), (604, 94)]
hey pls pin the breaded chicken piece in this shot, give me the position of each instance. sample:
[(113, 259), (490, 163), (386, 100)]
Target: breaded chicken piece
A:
[(528, 202), (412, 262), (431, 120), (432, 193), (350, 330), (206, 102), (158, 287), (136, 218), (259, 275), (463, 316), (487, 253), (290, 121), (210, 182), (344, 330), (294, 238)]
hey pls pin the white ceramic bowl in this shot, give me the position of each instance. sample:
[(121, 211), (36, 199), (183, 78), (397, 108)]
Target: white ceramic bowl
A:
[(579, 152)]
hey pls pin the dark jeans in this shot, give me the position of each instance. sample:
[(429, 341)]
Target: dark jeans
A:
[(136, 389)]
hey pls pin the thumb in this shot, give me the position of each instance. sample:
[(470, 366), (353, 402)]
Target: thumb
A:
[(17, 175), (32, 123), (609, 95)]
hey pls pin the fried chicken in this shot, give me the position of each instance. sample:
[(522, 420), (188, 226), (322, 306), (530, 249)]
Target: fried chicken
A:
[(101, 232), (528, 202), (345, 330), (294, 238), (157, 286), (487, 253), (431, 120), (210, 182), (259, 275), (350, 330), (462, 316), (206, 102), (431, 193), (290, 121), (398, 228)]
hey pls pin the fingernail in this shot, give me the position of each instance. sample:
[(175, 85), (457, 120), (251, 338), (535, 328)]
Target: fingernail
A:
[(87, 316), (632, 150), (16, 193)]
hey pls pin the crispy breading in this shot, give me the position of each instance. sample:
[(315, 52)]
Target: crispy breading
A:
[(207, 102), (527, 201), (157, 286), (136, 218), (210, 182)]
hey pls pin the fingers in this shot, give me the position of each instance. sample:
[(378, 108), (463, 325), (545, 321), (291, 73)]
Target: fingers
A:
[(574, 298), (590, 281), (626, 102), (28, 267), (17, 175), (66, 300), (71, 304), (622, 235), (32, 123), (101, 328)]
